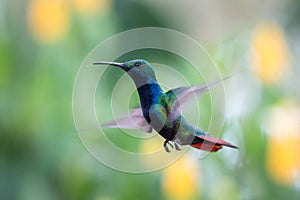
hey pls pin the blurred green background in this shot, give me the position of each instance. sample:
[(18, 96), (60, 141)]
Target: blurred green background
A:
[(43, 43)]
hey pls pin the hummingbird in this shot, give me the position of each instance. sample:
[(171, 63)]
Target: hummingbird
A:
[(161, 111)]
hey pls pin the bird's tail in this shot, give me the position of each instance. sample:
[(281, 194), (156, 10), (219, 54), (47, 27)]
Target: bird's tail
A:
[(208, 143)]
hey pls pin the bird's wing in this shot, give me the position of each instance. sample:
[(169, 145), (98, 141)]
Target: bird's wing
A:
[(133, 120), (180, 95)]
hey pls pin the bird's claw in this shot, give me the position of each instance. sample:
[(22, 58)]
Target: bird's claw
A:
[(166, 143), (176, 146), (166, 147)]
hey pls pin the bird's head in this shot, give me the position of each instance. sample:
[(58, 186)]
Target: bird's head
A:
[(139, 70)]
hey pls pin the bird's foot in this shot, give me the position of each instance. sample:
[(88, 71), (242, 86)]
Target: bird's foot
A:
[(176, 146), (165, 145)]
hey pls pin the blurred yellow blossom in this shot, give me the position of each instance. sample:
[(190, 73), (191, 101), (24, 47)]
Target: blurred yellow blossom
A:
[(181, 179), (269, 56), (48, 20), (90, 7), (283, 160)]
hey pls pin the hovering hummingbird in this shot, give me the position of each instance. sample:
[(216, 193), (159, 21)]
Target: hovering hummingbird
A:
[(161, 110)]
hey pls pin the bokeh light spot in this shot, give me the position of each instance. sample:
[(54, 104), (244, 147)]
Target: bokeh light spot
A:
[(181, 179), (48, 20), (269, 56), (283, 161)]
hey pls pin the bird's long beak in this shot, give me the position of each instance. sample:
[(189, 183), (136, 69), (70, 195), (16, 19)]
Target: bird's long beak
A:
[(121, 65), (109, 63)]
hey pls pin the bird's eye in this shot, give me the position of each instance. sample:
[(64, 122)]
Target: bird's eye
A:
[(137, 64)]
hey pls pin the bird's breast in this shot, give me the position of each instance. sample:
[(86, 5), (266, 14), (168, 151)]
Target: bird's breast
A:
[(149, 94)]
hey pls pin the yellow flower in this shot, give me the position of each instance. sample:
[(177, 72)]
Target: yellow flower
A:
[(283, 160), (269, 56), (181, 179), (48, 20), (90, 7)]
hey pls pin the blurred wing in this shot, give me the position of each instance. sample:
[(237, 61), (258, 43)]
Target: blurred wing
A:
[(182, 94), (133, 120)]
